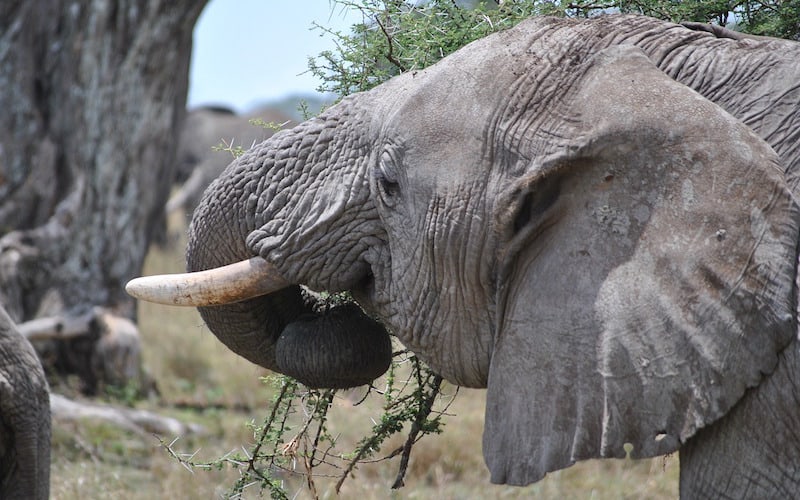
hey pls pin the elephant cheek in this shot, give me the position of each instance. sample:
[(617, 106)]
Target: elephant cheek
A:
[(337, 349)]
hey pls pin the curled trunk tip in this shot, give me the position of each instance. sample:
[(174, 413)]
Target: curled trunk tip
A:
[(337, 349)]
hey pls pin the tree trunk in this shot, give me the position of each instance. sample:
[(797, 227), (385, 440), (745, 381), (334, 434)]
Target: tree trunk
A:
[(94, 92)]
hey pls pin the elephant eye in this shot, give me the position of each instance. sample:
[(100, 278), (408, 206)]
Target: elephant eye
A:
[(386, 177)]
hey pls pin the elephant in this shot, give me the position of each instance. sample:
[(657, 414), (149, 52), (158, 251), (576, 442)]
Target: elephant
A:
[(595, 220), (205, 128), (24, 417)]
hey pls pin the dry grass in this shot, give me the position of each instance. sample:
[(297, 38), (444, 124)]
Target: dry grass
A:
[(92, 461)]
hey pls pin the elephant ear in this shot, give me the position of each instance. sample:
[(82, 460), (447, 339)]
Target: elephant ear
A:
[(646, 275)]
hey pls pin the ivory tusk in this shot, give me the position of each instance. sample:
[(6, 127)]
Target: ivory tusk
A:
[(223, 285)]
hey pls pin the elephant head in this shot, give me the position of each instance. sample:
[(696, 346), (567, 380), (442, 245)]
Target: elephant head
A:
[(609, 253)]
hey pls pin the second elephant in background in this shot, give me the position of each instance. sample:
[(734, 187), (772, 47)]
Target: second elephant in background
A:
[(199, 159)]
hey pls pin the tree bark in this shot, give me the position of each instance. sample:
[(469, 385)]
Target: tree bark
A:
[(94, 92)]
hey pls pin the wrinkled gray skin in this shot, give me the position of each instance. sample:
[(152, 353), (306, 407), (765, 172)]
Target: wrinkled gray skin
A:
[(204, 129), (24, 418), (549, 214)]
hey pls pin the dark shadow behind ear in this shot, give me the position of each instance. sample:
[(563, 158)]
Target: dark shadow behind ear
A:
[(647, 278)]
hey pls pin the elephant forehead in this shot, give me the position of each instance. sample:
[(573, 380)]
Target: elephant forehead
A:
[(442, 126), (458, 92), (440, 106)]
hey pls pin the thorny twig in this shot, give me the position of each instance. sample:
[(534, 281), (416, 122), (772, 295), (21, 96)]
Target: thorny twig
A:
[(425, 410), (390, 41)]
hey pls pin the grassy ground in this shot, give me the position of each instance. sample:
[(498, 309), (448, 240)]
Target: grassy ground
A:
[(192, 369)]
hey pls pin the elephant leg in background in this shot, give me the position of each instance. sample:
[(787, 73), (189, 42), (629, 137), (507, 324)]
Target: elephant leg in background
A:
[(24, 418)]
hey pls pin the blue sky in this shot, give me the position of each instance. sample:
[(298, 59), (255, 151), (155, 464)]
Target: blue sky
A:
[(249, 51)]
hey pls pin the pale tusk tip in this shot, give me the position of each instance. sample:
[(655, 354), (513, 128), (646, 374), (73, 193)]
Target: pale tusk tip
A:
[(146, 288), (133, 288)]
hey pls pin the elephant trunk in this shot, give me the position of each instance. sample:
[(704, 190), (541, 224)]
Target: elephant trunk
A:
[(257, 208), (250, 328)]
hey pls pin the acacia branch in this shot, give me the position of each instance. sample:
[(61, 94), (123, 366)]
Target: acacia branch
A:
[(389, 40), (251, 466), (424, 411)]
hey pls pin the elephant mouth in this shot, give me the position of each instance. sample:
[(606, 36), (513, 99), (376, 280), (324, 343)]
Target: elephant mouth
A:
[(337, 347)]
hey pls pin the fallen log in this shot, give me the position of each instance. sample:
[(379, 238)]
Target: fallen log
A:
[(141, 422), (58, 327)]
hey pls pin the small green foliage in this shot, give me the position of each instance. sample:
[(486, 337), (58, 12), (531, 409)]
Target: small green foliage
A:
[(294, 438), (126, 394), (99, 441), (777, 18), (229, 147), (412, 402), (628, 448), (237, 150), (328, 299), (270, 453), (304, 110), (398, 36), (274, 126)]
